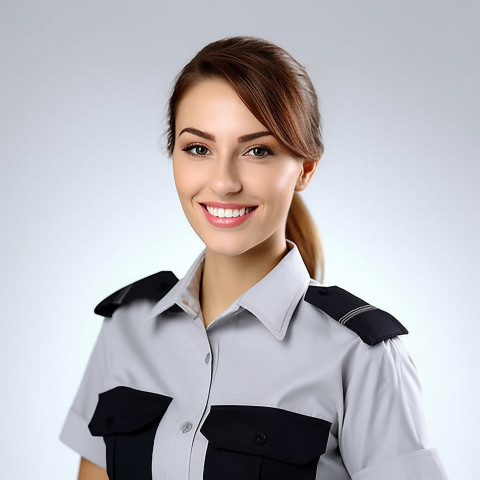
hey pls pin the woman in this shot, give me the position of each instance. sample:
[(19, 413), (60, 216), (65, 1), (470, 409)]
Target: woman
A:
[(247, 367)]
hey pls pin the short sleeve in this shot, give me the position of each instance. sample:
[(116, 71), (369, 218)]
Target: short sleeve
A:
[(75, 432), (383, 432)]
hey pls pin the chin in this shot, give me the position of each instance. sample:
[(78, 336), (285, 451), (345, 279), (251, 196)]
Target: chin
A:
[(228, 248), (229, 245), (229, 242)]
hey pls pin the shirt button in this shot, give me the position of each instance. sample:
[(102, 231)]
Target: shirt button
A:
[(207, 357), (186, 427), (261, 438)]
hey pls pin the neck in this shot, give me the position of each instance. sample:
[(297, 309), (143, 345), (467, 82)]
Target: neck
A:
[(226, 277)]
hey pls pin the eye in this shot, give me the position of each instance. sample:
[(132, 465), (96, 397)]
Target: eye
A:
[(196, 149), (260, 151)]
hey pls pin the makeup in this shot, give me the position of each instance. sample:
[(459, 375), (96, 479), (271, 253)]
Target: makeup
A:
[(227, 217)]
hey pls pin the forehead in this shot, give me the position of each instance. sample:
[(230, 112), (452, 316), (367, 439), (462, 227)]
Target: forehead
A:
[(213, 104)]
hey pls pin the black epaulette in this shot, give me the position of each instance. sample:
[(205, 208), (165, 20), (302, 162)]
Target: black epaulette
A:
[(153, 287), (371, 324)]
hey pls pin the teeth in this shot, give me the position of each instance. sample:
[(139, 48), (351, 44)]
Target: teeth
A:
[(228, 212)]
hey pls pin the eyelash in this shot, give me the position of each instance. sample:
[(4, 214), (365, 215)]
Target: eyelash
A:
[(188, 148)]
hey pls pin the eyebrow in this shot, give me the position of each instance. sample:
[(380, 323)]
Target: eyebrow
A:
[(209, 136)]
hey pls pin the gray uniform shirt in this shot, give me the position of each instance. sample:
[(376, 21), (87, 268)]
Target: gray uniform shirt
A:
[(273, 388)]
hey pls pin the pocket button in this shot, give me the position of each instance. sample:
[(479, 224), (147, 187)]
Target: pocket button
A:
[(261, 438), (109, 422)]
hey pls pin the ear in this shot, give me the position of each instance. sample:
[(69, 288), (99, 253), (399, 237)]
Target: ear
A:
[(306, 174)]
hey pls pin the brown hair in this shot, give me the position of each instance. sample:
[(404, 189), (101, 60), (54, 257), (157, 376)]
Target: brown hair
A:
[(279, 93)]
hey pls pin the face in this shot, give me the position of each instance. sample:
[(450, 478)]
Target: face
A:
[(235, 181)]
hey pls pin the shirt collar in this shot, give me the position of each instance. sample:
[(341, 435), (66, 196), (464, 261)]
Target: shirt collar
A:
[(184, 293), (272, 300)]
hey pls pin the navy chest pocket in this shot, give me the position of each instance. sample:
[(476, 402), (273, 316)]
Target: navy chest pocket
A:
[(247, 442), (128, 419)]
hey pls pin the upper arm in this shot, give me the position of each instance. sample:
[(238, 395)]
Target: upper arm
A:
[(75, 432), (383, 432)]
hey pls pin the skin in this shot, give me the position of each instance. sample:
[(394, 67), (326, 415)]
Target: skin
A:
[(90, 471), (224, 170)]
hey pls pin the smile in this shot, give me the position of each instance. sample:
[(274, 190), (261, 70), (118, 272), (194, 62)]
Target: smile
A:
[(228, 212), (227, 217)]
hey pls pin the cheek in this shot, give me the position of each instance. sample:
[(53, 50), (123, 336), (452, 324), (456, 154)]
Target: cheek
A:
[(183, 178), (276, 184)]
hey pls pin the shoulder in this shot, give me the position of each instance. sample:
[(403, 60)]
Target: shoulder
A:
[(370, 323), (153, 287)]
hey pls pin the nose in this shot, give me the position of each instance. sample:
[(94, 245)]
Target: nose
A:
[(225, 177)]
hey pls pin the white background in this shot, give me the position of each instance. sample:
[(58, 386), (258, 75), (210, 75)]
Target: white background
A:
[(88, 203)]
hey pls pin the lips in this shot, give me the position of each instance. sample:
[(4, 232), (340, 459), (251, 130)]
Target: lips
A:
[(227, 214), (236, 210)]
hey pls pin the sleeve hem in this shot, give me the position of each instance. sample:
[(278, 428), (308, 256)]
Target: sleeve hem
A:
[(422, 464), (76, 435)]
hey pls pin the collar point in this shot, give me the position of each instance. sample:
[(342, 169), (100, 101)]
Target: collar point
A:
[(278, 334)]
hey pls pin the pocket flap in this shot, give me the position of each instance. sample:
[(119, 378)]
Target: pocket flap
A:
[(267, 431), (124, 410)]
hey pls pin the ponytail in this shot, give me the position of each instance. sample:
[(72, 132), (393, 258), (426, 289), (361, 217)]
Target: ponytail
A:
[(302, 231)]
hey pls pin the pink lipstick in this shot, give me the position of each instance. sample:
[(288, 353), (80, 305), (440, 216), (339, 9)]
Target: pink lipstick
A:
[(227, 215)]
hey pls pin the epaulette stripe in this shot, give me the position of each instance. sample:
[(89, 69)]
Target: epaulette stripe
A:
[(355, 311), (122, 294)]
